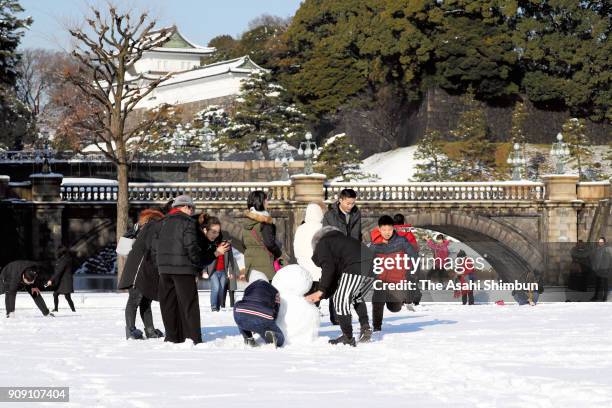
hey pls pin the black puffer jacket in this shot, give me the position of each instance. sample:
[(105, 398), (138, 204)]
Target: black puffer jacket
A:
[(336, 254), (336, 218), (177, 248)]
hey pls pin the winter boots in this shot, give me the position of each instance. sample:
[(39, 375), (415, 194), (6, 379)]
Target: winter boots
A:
[(345, 340), (136, 334), (365, 334), (270, 338), (154, 333), (133, 333), (250, 341)]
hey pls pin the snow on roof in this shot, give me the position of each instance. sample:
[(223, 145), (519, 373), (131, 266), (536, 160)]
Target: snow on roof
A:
[(93, 148), (237, 65)]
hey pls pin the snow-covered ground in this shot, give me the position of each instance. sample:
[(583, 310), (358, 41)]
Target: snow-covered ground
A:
[(444, 354)]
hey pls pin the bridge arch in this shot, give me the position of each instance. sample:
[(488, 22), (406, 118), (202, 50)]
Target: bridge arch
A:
[(510, 253)]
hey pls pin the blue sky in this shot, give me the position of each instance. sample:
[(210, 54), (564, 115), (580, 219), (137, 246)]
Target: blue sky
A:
[(199, 21)]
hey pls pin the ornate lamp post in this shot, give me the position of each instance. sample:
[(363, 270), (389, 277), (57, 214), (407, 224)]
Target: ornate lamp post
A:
[(560, 152), (283, 156), (517, 160), (308, 149), (46, 153)]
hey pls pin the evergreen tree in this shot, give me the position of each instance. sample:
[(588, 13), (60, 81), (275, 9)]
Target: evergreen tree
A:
[(158, 139), (477, 152), (15, 117), (574, 134), (226, 48), (565, 53), (435, 166), (473, 47), (338, 158), (262, 112)]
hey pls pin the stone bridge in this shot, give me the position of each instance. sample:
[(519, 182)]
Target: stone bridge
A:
[(518, 226)]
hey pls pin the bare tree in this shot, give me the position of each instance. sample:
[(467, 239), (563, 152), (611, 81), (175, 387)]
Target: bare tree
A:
[(40, 74), (107, 51)]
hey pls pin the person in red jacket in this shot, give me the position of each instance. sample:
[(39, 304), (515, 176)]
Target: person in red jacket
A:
[(392, 245), (440, 250), (402, 229), (466, 277)]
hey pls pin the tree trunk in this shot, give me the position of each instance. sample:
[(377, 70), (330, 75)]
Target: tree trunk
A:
[(122, 210)]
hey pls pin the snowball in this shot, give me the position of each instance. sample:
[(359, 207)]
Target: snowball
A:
[(297, 318)]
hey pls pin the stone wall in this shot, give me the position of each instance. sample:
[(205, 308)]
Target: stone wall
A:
[(234, 171), (439, 110)]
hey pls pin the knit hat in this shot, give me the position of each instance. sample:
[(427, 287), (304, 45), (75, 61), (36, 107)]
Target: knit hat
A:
[(182, 201)]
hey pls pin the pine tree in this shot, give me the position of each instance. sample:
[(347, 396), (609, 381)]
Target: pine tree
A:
[(339, 158), (158, 139), (436, 165), (478, 153), (262, 112), (574, 133), (15, 118)]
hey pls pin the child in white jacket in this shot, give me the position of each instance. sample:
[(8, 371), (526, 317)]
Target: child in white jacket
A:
[(302, 243)]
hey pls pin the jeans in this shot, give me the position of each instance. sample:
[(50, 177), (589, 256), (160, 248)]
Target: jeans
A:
[(218, 281), (247, 324)]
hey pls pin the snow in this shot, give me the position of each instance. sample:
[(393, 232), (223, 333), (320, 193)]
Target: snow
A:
[(298, 319), (399, 166), (394, 166), (445, 354), (86, 181)]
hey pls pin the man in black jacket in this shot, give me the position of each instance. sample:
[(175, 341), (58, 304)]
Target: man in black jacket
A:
[(178, 256), (346, 277), (345, 216), (19, 275)]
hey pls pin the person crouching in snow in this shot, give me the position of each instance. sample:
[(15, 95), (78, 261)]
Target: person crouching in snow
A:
[(465, 277), (257, 311), (392, 245), (22, 275), (346, 278)]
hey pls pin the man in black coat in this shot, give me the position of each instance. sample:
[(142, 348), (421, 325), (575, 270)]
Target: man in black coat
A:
[(178, 255), (346, 277), (345, 216), (22, 275)]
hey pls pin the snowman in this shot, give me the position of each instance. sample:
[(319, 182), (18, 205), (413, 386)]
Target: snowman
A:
[(297, 318)]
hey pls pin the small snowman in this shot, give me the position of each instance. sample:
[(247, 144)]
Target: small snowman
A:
[(298, 319)]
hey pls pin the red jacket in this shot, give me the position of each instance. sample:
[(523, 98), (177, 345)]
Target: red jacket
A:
[(402, 231), (440, 252)]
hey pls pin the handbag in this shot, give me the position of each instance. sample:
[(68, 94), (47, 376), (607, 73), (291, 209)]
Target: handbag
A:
[(124, 246), (277, 264)]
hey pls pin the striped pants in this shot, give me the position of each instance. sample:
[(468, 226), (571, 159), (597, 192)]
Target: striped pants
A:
[(351, 290)]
